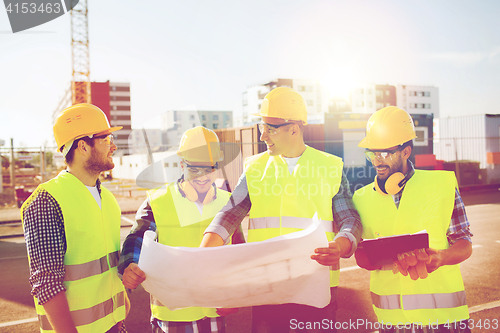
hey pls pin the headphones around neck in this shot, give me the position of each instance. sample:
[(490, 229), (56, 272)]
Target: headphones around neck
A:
[(395, 182), (188, 191)]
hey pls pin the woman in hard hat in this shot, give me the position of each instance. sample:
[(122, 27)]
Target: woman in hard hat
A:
[(179, 214)]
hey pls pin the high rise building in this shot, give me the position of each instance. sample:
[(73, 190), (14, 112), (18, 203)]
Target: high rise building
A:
[(175, 122), (311, 90), (369, 98), (113, 98), (418, 99)]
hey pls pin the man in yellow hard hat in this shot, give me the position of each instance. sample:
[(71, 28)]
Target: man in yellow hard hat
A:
[(425, 293), (72, 231), (179, 214), (282, 189)]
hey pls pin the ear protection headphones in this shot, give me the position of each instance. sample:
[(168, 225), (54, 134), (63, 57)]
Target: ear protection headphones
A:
[(188, 191), (395, 182)]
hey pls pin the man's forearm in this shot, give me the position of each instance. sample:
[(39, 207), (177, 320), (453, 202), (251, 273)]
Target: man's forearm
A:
[(58, 313), (458, 252), (211, 240), (345, 245)]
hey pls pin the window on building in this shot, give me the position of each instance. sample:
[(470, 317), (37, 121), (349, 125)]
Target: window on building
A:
[(191, 117), (215, 126), (379, 93), (305, 88), (194, 125), (369, 91), (310, 102), (360, 91), (204, 125), (166, 165), (387, 104), (427, 94), (380, 106), (215, 117), (175, 165), (387, 92), (203, 117), (360, 104), (370, 104), (113, 88)]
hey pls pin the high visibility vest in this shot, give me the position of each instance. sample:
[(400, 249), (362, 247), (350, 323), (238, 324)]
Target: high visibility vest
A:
[(96, 296), (179, 223), (283, 203), (427, 203)]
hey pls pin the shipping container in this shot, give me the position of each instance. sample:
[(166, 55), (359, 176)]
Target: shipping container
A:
[(470, 140)]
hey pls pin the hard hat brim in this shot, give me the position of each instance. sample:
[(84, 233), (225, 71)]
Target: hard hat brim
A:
[(154, 177), (108, 131), (286, 119)]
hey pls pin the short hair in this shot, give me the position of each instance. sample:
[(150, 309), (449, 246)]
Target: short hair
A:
[(68, 159), (408, 144)]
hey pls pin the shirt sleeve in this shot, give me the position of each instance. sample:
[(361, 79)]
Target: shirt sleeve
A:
[(230, 216), (46, 245), (459, 224), (345, 216), (144, 220)]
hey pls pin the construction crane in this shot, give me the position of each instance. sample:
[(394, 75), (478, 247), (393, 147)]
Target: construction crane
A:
[(80, 83)]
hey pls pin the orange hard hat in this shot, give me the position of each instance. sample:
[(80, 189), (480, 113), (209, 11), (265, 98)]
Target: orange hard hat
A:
[(284, 103), (388, 127), (199, 144), (80, 120)]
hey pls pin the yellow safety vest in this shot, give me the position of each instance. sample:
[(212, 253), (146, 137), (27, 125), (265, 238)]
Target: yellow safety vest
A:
[(283, 203), (179, 223), (96, 296), (427, 203)]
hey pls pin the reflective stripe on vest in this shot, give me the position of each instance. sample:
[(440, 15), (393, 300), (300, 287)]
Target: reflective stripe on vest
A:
[(169, 207), (420, 301), (95, 294), (390, 302), (87, 316), (98, 266), (286, 222), (281, 200), (427, 203)]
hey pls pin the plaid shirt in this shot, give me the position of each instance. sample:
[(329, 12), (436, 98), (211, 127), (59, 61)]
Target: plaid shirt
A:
[(131, 251), (459, 224), (45, 238), (345, 217)]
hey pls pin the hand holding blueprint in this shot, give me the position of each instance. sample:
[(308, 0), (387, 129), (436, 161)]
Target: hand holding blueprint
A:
[(275, 271)]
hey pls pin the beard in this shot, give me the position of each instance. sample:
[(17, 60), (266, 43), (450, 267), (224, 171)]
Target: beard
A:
[(98, 165), (397, 167)]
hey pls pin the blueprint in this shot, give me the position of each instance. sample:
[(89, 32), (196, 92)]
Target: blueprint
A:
[(275, 271)]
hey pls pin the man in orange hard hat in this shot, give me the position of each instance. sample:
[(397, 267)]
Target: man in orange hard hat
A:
[(425, 293), (282, 189), (72, 231), (179, 213)]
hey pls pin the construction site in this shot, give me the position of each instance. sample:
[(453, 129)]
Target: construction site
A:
[(147, 158)]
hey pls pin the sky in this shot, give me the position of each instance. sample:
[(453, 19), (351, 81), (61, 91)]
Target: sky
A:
[(207, 53)]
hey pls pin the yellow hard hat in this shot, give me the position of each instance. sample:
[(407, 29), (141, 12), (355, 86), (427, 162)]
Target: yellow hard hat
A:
[(284, 103), (388, 127), (80, 120), (199, 144)]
